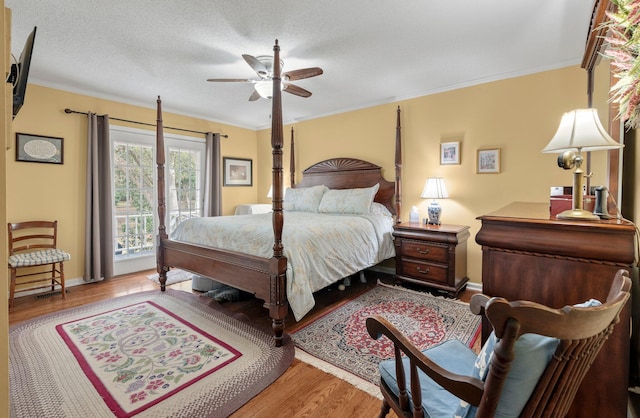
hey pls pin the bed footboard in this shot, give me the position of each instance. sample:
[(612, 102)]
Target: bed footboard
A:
[(265, 278)]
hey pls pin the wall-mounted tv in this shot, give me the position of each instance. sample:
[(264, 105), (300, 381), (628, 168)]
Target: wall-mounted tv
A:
[(20, 73)]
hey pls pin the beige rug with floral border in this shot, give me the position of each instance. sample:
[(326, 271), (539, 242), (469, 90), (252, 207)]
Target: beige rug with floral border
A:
[(151, 354)]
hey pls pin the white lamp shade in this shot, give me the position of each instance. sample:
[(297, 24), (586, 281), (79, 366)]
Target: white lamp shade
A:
[(434, 188), (265, 88), (270, 194), (581, 129)]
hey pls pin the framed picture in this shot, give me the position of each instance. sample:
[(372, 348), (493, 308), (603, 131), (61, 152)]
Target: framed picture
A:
[(450, 153), (237, 172), (488, 161), (39, 149)]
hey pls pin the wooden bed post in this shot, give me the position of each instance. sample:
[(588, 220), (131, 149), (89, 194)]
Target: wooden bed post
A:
[(278, 265), (264, 277), (292, 162), (398, 169), (162, 229)]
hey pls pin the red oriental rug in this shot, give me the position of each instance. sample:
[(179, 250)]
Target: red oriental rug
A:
[(148, 354), (339, 343)]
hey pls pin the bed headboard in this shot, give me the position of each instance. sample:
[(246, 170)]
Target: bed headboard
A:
[(350, 173)]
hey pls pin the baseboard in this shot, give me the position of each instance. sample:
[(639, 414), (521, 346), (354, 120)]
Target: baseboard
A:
[(67, 284), (476, 287)]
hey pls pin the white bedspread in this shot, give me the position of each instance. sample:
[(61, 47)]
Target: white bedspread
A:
[(320, 248)]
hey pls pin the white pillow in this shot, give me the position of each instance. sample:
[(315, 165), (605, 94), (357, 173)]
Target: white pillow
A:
[(305, 199), (357, 201), (379, 209)]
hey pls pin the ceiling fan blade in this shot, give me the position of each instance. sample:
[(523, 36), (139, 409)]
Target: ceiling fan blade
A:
[(302, 73), (257, 66), (254, 96), (298, 91), (232, 80)]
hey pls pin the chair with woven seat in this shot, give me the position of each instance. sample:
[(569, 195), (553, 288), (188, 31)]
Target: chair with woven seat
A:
[(531, 365), (32, 246)]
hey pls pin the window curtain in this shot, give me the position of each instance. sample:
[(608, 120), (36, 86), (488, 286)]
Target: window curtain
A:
[(98, 261), (212, 182)]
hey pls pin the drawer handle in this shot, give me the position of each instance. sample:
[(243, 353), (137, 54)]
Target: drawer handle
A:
[(423, 251), (422, 271)]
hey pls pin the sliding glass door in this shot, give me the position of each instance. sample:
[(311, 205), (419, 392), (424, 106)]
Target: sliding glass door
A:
[(134, 191)]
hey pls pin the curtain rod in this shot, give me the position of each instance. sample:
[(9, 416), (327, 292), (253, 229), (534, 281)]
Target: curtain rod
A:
[(143, 123)]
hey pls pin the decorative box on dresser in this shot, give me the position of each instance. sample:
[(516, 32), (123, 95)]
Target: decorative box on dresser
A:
[(432, 255), (528, 256)]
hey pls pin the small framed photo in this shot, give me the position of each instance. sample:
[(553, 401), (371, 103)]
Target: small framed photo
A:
[(450, 153), (488, 161), (237, 172), (39, 149)]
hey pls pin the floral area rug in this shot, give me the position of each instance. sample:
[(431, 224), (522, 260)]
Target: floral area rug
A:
[(151, 354), (339, 342)]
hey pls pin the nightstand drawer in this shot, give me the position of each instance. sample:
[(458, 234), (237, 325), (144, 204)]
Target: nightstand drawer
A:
[(424, 271), (423, 251)]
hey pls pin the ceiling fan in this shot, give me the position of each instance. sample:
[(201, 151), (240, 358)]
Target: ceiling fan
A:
[(263, 66)]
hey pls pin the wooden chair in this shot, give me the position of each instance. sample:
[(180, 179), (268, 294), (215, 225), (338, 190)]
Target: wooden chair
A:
[(531, 366), (33, 245)]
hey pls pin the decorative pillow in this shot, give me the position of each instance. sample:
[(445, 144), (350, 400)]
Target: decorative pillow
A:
[(532, 354), (357, 201), (379, 209), (588, 304), (305, 199)]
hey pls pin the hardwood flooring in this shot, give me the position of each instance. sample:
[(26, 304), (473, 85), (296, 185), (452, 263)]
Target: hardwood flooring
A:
[(302, 391)]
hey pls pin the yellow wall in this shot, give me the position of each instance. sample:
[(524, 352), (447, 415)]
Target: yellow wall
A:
[(50, 191), (518, 115)]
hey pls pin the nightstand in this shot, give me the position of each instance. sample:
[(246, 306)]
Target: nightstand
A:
[(432, 255)]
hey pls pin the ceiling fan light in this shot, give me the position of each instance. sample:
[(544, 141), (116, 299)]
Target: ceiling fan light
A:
[(265, 88)]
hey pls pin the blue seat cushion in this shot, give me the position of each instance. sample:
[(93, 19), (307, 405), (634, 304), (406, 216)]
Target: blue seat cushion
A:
[(532, 355), (38, 258), (451, 355)]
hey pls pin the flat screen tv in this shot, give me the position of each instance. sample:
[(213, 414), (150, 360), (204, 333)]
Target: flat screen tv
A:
[(20, 73)]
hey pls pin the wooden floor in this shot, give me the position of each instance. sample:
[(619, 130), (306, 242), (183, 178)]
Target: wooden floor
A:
[(301, 391)]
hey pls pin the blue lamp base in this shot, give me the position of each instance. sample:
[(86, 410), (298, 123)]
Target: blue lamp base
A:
[(434, 210)]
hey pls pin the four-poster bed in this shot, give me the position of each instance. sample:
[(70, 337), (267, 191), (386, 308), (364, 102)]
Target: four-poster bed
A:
[(266, 276)]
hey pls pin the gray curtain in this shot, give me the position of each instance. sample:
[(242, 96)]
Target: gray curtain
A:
[(98, 261), (212, 181)]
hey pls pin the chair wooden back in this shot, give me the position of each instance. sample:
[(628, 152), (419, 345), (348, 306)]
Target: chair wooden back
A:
[(32, 235), (581, 331)]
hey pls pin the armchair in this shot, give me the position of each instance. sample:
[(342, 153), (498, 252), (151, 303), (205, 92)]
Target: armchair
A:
[(531, 365)]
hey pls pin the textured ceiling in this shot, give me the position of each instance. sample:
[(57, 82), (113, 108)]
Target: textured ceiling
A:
[(371, 51)]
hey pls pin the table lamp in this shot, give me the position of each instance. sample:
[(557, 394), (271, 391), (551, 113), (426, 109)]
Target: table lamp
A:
[(579, 130), (434, 188), (270, 193)]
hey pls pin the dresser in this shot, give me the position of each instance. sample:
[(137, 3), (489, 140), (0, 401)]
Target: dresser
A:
[(528, 256), (432, 255)]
